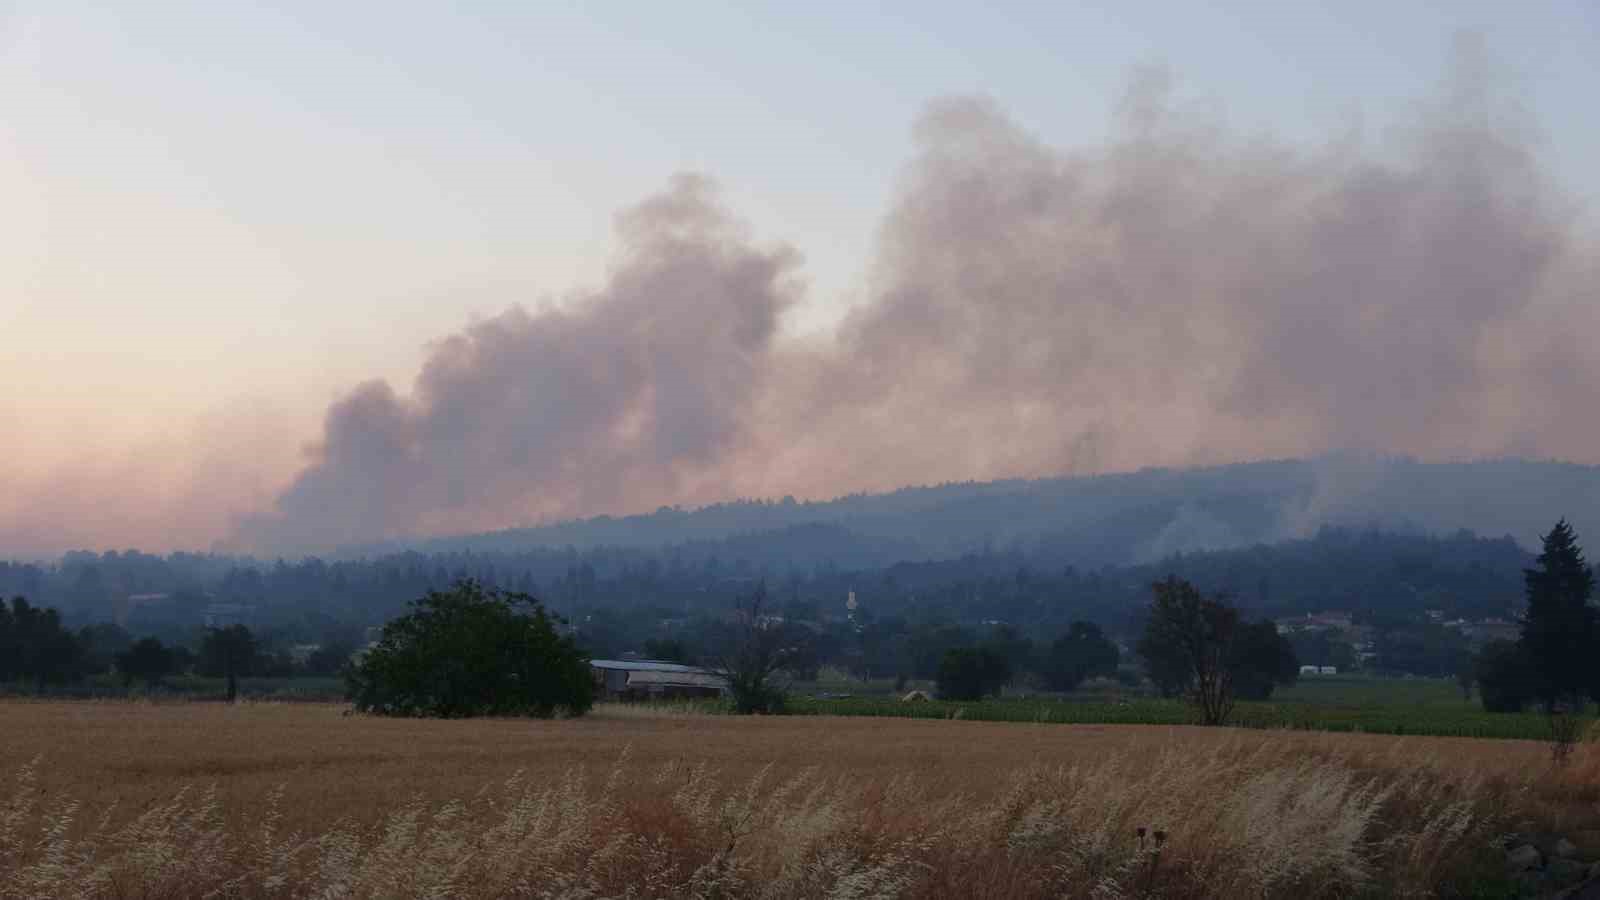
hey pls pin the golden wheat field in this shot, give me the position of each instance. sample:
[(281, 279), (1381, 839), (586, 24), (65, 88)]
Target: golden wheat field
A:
[(264, 800)]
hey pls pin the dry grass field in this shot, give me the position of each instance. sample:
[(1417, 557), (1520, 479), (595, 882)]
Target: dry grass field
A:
[(138, 800)]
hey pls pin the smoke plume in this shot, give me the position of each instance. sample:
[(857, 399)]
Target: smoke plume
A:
[(1177, 296), (636, 393)]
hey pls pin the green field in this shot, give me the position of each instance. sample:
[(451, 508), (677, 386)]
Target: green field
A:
[(1368, 691), (1404, 706), (1351, 703)]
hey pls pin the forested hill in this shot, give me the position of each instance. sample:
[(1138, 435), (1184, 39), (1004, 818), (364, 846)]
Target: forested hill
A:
[(1376, 574), (1103, 520), (1385, 537)]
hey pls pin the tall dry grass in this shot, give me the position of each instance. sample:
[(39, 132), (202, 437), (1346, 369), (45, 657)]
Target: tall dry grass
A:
[(1240, 817)]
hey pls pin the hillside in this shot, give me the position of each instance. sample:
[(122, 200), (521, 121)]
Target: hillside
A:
[(1391, 536), (1104, 520)]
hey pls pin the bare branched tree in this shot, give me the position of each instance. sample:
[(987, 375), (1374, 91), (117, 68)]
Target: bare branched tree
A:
[(754, 658)]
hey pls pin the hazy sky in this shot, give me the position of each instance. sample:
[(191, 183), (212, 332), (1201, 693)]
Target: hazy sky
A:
[(218, 218)]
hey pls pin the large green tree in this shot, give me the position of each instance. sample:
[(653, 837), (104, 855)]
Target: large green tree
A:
[(230, 653), (927, 645), (1082, 653), (101, 642), (1505, 680), (472, 651), (1261, 659), (1559, 630), (33, 645), (972, 673), (1008, 642), (1191, 636), (148, 660)]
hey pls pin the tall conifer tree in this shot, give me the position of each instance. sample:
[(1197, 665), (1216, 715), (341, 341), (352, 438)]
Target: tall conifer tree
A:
[(1559, 631)]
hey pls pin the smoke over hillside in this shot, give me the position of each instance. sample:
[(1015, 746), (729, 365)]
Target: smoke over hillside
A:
[(1178, 296), (634, 394)]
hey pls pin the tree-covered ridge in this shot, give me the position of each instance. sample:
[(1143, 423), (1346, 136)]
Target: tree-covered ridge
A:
[(1118, 519), (1018, 549), (620, 596)]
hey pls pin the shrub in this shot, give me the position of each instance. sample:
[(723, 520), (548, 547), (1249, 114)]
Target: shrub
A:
[(1260, 660), (147, 660), (972, 673), (472, 651), (1505, 679), (1084, 652)]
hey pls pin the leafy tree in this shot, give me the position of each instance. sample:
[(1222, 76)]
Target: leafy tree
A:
[(10, 642), (101, 643), (1166, 665), (1197, 645), (148, 660), (1505, 678), (928, 645), (34, 646), (1194, 635), (1559, 631), (472, 651), (972, 673), (1260, 660), (229, 653), (1009, 644), (754, 657), (1084, 652)]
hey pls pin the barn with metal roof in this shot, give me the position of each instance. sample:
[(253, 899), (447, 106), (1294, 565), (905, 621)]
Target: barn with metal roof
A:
[(643, 679)]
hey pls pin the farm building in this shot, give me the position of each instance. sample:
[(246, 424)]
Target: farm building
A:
[(629, 679)]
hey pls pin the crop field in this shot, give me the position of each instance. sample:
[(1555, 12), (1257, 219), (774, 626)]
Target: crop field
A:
[(123, 799), (1398, 706), (1376, 691)]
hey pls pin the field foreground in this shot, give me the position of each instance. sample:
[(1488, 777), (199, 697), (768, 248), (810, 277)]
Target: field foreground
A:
[(257, 800)]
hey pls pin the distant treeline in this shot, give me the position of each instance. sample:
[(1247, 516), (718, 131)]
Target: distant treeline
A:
[(622, 596), (38, 651)]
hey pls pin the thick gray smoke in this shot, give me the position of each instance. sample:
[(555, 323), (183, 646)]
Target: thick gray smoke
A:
[(636, 392), (1179, 296)]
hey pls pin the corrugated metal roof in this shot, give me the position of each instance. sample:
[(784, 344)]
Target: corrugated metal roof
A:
[(676, 679), (644, 665)]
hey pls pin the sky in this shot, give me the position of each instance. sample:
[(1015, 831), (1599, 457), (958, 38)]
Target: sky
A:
[(220, 223)]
